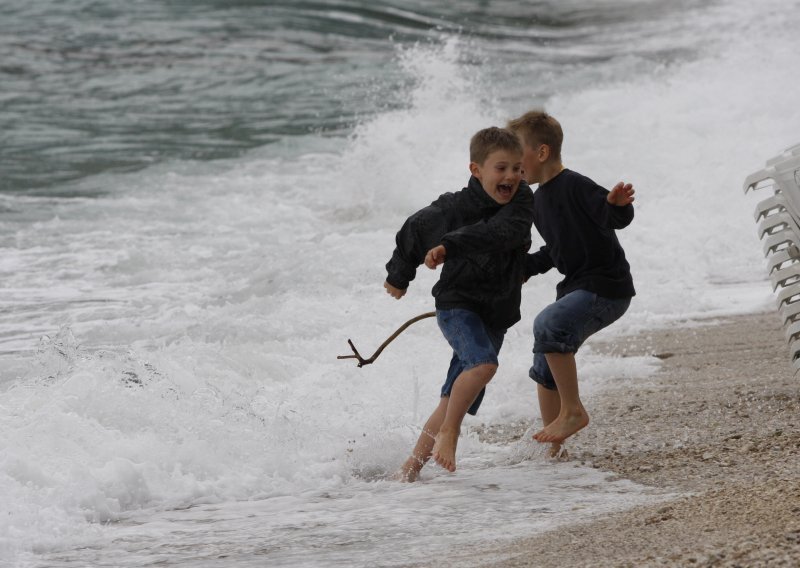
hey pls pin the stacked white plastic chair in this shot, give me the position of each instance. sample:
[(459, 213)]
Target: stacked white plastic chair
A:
[(778, 219)]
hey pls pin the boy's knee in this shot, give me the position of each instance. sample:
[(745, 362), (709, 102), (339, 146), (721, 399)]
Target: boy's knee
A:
[(544, 324), (486, 371)]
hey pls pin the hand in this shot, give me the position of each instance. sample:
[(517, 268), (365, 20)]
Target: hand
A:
[(621, 195), (435, 257), (395, 293)]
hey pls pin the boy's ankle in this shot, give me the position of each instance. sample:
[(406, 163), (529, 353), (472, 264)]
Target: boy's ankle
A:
[(413, 464), (443, 431), (573, 412), (412, 459)]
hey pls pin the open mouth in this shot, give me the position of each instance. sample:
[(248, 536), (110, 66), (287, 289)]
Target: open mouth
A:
[(505, 189)]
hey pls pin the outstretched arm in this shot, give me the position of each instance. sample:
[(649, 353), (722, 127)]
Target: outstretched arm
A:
[(609, 209), (621, 194), (420, 232), (395, 293)]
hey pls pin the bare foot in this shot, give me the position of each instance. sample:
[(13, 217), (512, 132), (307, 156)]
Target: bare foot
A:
[(444, 449), (409, 472), (562, 427)]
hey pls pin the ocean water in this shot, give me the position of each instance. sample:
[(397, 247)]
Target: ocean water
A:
[(196, 204)]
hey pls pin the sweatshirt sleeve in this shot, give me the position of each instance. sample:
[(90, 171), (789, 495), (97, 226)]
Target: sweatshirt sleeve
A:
[(508, 229), (538, 262), (593, 200), (420, 233)]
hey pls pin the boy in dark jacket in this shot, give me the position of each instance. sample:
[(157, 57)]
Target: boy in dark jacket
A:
[(577, 219), (481, 234)]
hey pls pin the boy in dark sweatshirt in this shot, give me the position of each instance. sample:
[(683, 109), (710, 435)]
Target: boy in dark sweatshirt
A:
[(481, 234), (577, 219)]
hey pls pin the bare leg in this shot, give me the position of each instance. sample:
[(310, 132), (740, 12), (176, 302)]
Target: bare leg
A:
[(549, 407), (424, 446), (465, 390), (571, 416)]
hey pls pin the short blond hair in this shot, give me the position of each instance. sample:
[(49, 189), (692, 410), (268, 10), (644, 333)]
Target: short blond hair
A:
[(537, 127), (491, 139)]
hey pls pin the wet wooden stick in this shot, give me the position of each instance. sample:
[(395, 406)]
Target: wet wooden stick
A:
[(401, 329)]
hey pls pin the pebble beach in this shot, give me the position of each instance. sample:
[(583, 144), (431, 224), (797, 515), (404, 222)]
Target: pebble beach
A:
[(717, 427)]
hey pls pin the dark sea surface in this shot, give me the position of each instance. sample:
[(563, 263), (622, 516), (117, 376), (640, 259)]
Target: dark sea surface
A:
[(89, 87)]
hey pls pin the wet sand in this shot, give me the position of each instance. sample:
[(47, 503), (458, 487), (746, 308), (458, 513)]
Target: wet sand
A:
[(718, 424)]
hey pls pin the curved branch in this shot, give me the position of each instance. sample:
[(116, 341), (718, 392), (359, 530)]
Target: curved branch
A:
[(401, 329)]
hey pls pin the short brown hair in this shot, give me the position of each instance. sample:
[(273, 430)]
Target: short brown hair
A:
[(537, 127), (491, 139)]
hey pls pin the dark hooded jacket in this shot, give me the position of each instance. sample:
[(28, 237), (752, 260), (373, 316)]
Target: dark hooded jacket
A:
[(486, 247)]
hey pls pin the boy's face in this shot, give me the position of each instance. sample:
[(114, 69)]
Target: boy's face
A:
[(532, 160), (499, 174)]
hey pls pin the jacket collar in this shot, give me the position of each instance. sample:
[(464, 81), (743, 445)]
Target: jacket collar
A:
[(476, 189)]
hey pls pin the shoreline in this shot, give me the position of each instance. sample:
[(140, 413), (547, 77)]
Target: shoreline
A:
[(719, 425)]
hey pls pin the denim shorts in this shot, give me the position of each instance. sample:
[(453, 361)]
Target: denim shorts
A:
[(473, 344), (564, 325)]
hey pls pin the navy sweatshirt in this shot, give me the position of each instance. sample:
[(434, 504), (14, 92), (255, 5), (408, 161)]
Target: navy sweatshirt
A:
[(577, 224), (486, 247)]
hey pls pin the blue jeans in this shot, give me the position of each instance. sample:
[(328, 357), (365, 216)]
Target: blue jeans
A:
[(564, 325), (473, 344)]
